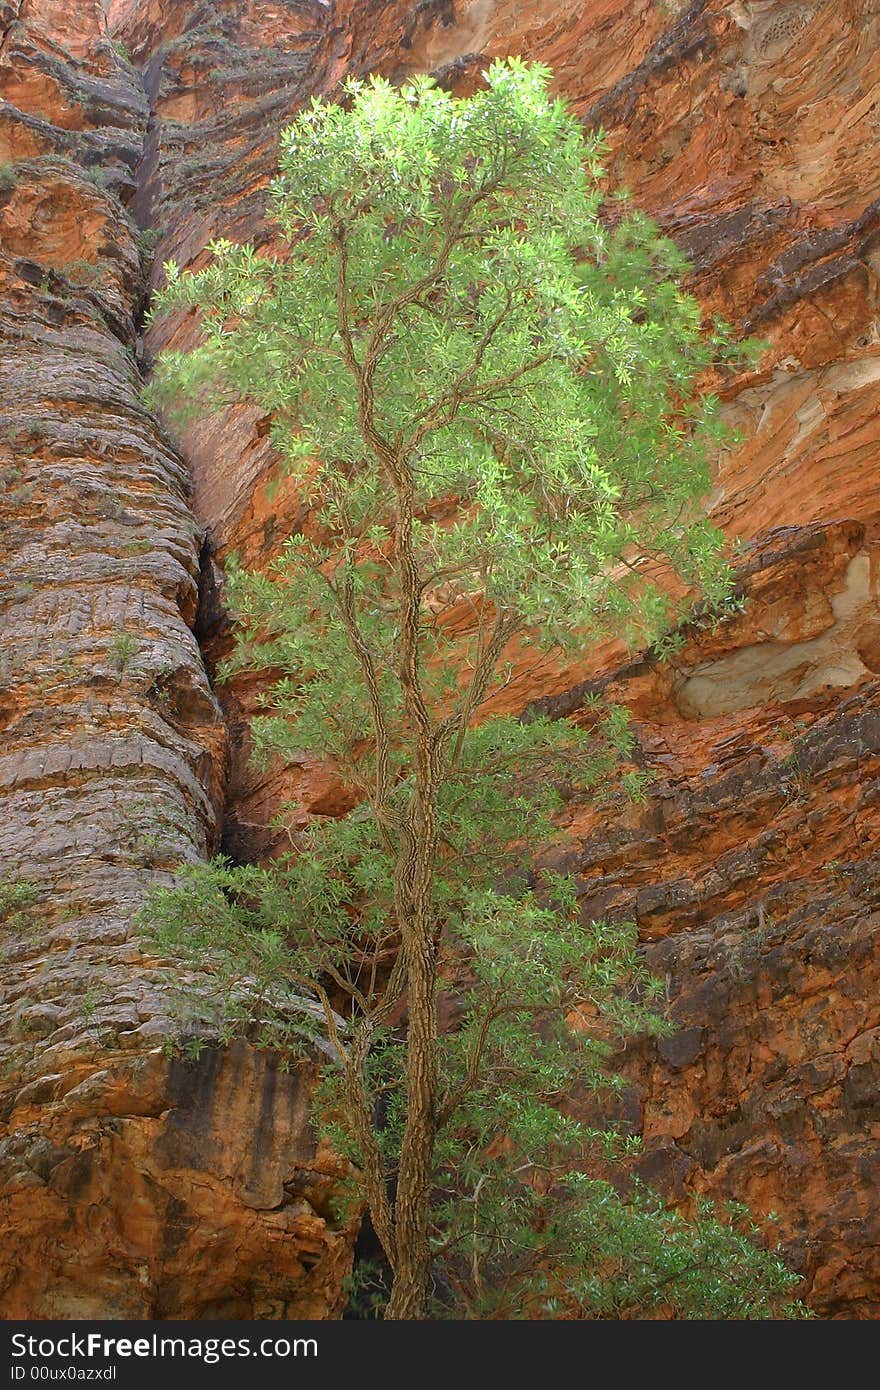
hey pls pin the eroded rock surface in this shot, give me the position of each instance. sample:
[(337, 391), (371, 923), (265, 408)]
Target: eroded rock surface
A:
[(126, 1189), (749, 128), (753, 874)]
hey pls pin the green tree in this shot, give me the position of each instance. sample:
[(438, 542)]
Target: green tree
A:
[(483, 382)]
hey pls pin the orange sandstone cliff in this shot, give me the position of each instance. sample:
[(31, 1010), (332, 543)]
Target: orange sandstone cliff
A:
[(134, 1185)]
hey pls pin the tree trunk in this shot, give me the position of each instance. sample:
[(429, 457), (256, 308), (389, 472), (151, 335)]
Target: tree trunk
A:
[(413, 1196)]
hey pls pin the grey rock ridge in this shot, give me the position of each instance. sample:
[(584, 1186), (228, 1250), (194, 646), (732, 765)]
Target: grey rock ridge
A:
[(130, 1186)]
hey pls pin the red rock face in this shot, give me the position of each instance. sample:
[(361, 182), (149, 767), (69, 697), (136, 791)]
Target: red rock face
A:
[(749, 129), (128, 1187)]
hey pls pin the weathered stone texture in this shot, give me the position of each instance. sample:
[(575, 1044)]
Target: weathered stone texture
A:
[(749, 128), (753, 875), (126, 1188)]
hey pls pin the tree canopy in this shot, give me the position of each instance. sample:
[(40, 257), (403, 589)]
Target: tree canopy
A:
[(483, 376)]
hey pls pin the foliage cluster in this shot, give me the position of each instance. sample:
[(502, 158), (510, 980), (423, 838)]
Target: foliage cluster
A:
[(484, 385)]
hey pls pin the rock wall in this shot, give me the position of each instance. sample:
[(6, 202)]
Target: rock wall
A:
[(128, 1187), (749, 128)]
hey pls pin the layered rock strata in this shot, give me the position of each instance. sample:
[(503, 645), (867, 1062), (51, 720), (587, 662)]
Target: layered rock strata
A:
[(753, 874), (128, 1187), (749, 129)]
